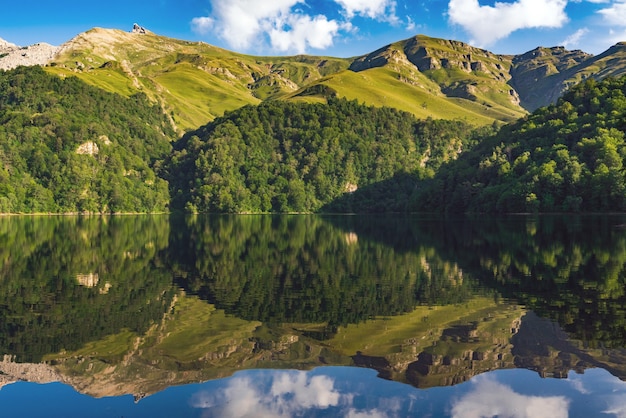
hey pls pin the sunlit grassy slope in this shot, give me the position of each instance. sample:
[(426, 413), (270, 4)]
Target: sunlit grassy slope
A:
[(386, 336), (382, 87), (196, 82), (429, 77)]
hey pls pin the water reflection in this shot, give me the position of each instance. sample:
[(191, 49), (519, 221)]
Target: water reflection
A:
[(68, 281), (490, 398), (337, 392), (277, 394), (303, 269), (134, 305)]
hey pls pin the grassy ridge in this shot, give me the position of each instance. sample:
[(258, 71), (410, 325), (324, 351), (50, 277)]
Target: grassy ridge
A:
[(196, 82), (384, 87)]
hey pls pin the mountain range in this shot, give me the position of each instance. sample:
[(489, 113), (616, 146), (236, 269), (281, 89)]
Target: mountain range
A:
[(196, 82)]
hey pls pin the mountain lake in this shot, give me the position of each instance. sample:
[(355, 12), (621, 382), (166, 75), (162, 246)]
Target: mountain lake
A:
[(313, 316)]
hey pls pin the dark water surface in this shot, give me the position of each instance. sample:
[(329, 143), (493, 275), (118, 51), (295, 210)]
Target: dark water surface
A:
[(281, 316)]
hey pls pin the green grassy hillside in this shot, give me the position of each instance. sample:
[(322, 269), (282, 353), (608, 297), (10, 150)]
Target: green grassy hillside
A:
[(194, 82), (429, 77), (420, 96)]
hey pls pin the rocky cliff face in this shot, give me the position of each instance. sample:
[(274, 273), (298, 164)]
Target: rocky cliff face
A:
[(6, 47), (461, 71), (539, 75), (530, 80), (12, 56), (11, 372)]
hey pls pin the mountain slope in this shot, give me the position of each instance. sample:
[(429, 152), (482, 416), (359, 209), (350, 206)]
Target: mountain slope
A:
[(564, 157), (298, 157), (195, 82), (66, 146), (457, 71), (542, 75)]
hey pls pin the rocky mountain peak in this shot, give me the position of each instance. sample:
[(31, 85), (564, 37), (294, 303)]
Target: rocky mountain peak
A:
[(7, 46), (12, 56), (140, 29)]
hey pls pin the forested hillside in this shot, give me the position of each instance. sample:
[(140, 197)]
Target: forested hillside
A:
[(66, 146), (298, 157), (565, 157)]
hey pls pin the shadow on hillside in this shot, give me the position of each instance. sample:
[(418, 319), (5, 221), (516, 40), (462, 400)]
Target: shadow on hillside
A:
[(392, 195)]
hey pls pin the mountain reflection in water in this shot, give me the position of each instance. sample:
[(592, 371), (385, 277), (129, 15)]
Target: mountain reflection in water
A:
[(133, 305)]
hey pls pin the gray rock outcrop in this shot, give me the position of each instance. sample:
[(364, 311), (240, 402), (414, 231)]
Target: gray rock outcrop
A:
[(12, 56), (140, 29)]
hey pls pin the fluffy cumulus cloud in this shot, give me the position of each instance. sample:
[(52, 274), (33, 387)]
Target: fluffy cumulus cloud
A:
[(298, 32), (487, 24), (244, 23), (615, 14), (282, 394), (490, 398), (374, 9), (286, 25)]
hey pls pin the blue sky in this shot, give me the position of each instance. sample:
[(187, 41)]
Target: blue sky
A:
[(328, 27)]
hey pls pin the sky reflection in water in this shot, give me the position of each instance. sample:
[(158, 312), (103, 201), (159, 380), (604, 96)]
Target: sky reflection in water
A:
[(338, 392), (145, 303)]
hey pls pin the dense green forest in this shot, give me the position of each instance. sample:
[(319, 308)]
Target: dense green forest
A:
[(565, 157), (298, 157), (66, 146), (568, 268)]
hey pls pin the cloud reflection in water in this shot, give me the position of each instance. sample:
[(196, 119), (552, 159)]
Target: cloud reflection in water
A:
[(489, 398), (274, 394)]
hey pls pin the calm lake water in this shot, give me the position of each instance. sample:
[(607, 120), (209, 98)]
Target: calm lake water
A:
[(306, 316)]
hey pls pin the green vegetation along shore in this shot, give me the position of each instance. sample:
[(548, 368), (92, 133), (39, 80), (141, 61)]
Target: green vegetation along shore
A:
[(68, 147)]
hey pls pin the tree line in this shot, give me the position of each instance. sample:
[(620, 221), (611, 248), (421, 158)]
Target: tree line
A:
[(66, 146)]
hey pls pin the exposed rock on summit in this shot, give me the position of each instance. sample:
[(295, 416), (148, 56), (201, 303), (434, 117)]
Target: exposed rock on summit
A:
[(11, 372), (12, 56), (6, 47), (140, 29)]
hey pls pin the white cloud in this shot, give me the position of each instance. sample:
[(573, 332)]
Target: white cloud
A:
[(410, 24), (283, 25), (615, 14), (616, 406), (490, 398), (574, 39), (352, 413), (488, 24), (202, 25), (304, 391), (245, 24), (374, 9), (304, 31)]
